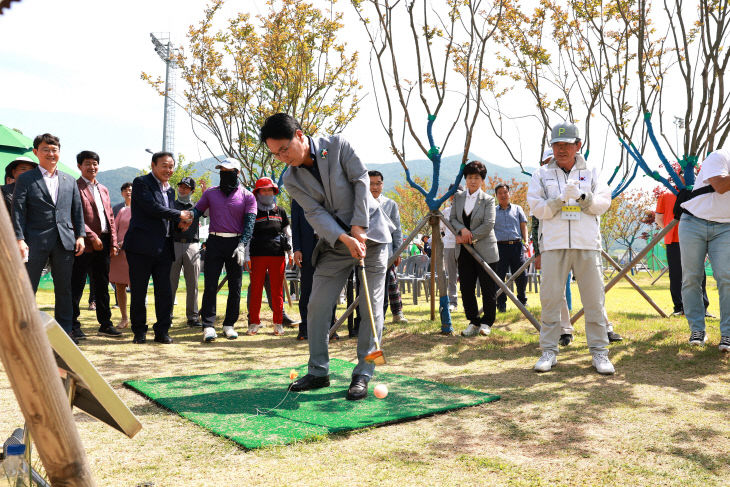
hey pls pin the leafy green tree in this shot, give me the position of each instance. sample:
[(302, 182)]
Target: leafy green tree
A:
[(288, 60)]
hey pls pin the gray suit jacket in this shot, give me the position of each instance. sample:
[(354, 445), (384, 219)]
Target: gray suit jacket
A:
[(344, 194), (390, 208), (36, 219), (482, 224)]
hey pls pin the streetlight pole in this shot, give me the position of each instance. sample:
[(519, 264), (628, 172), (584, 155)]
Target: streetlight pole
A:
[(163, 48)]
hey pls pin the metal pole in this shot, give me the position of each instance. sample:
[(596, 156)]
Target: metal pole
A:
[(167, 96), (493, 275), (657, 238)]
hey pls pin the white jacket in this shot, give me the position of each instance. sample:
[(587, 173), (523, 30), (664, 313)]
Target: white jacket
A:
[(543, 196)]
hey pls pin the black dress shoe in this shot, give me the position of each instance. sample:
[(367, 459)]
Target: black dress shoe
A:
[(614, 337), (309, 382), (195, 324), (358, 388), (287, 321), (502, 309), (109, 331), (75, 340), (565, 339), (78, 334), (139, 339), (163, 339), (301, 336)]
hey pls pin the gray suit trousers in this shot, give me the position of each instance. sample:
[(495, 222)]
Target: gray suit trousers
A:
[(452, 272), (332, 268), (187, 258), (586, 265)]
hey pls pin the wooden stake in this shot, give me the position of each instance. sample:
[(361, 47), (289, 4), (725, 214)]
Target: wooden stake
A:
[(30, 366)]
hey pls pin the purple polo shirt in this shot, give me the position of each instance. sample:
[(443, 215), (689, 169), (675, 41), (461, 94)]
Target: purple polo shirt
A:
[(227, 213)]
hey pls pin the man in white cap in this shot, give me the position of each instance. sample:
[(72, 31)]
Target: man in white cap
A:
[(232, 211), (568, 197)]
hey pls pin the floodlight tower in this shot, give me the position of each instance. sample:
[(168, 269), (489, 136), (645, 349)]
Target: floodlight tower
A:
[(164, 49)]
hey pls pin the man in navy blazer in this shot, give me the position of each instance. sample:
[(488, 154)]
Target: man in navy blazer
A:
[(149, 246), (49, 224)]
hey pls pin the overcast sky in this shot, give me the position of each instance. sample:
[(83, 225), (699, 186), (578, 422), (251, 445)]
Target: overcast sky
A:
[(73, 69)]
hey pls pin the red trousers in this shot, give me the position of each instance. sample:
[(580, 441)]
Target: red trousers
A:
[(259, 266)]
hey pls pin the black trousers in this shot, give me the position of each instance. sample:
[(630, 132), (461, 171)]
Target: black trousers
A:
[(141, 268), (511, 258), (62, 262), (674, 262), (219, 253), (96, 265), (469, 271)]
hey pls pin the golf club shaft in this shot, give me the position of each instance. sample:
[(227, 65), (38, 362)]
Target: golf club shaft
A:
[(366, 291)]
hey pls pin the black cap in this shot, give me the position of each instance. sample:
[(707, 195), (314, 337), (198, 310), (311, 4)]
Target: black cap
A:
[(188, 181)]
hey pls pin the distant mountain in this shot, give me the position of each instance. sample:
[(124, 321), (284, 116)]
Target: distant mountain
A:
[(114, 178), (393, 172)]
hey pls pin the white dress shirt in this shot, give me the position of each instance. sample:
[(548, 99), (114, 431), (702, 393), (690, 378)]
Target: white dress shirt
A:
[(51, 181), (471, 200), (99, 204), (164, 187)]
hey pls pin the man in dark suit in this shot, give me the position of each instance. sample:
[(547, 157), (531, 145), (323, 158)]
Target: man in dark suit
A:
[(100, 245), (149, 246), (49, 224)]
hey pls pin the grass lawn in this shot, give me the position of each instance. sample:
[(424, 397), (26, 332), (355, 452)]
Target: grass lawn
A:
[(663, 419)]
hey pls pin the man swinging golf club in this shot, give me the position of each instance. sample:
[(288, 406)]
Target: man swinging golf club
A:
[(329, 181)]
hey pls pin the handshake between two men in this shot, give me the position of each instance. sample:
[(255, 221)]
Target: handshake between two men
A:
[(186, 219)]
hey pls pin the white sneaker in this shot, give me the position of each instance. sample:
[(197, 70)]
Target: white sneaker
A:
[(602, 364), (399, 318), (209, 334), (253, 328), (278, 330), (485, 330), (470, 330), (453, 307), (231, 334), (546, 362)]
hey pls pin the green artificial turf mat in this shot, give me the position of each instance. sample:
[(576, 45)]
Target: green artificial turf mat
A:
[(252, 407)]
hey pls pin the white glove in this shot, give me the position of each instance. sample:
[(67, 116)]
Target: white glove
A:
[(571, 191), (240, 254)]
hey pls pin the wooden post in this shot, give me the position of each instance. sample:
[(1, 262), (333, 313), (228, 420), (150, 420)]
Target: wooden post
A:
[(636, 286), (493, 275), (657, 238), (30, 366)]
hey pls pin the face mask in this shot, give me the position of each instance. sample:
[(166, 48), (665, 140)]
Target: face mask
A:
[(185, 199), (229, 182), (265, 202)]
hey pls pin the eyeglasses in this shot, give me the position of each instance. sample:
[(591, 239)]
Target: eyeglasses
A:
[(282, 151), (50, 150)]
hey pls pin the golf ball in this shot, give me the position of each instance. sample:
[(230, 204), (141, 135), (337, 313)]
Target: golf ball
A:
[(293, 374), (380, 391)]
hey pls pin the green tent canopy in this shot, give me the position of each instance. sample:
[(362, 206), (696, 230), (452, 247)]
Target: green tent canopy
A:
[(13, 144)]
